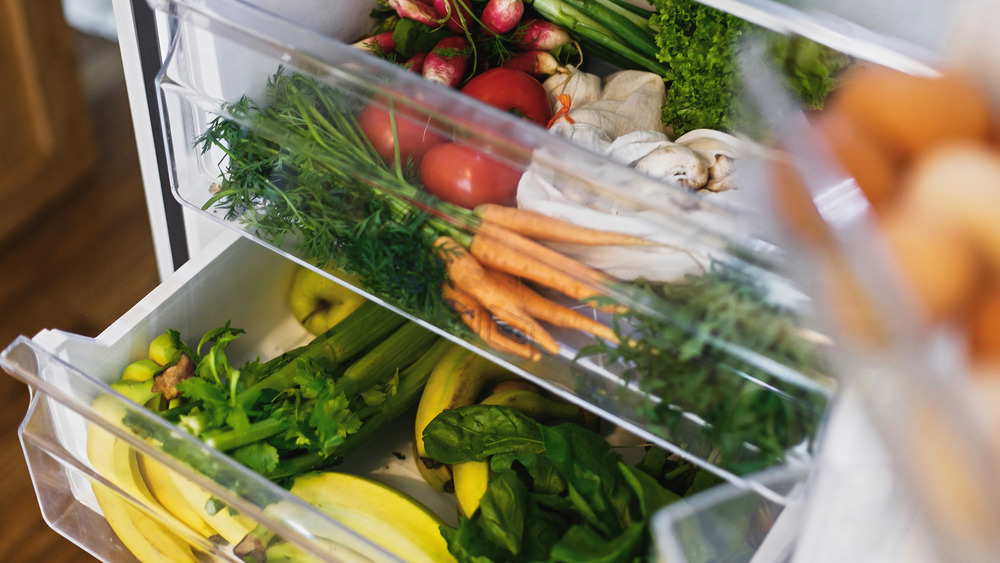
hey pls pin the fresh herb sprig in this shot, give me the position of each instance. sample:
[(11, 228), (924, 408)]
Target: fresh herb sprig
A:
[(683, 358), (299, 168)]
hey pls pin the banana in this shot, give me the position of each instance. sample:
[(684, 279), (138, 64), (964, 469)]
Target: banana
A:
[(285, 552), (145, 536), (160, 480), (384, 515), (233, 527), (457, 380), (537, 406), (471, 479)]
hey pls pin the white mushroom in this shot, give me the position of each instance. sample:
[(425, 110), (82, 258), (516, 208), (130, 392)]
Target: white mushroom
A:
[(675, 163), (720, 151)]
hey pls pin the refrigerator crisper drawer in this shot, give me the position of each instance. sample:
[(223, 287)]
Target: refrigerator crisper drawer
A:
[(70, 442), (733, 377)]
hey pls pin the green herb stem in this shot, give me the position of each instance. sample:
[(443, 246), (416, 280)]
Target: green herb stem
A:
[(232, 439)]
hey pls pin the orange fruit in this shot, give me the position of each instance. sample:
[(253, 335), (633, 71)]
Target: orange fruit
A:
[(909, 113), (872, 166), (939, 265), (984, 325)]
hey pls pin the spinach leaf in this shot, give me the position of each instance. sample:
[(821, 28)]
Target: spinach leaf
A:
[(468, 544), (596, 486), (502, 512), (476, 432), (581, 545)]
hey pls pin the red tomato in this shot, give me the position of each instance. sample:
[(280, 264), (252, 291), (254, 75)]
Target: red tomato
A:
[(512, 90), (466, 177), (415, 133)]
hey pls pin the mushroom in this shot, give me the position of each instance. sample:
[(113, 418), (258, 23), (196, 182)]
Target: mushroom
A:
[(675, 163), (719, 151)]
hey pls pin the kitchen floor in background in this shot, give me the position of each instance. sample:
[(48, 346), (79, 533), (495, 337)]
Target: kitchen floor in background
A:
[(79, 267)]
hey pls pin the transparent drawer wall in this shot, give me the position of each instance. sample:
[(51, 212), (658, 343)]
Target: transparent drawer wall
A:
[(225, 50)]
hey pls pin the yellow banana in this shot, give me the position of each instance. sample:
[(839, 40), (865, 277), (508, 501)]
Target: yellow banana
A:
[(536, 405), (161, 483), (457, 380), (231, 526), (384, 515), (285, 552), (471, 480), (146, 538), (115, 460)]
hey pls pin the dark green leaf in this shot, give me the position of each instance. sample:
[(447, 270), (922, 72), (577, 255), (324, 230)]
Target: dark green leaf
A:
[(476, 432), (596, 486), (412, 38), (581, 544), (259, 456), (502, 512)]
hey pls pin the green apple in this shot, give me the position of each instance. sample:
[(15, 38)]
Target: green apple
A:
[(320, 303)]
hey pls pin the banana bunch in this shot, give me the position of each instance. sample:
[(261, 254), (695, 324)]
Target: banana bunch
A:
[(382, 515), (159, 515), (462, 378)]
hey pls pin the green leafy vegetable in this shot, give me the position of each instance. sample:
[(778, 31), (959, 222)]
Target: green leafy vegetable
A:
[(558, 493), (412, 37), (700, 45), (304, 404)]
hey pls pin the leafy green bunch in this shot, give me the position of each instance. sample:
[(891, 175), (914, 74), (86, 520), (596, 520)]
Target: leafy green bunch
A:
[(558, 493), (701, 47)]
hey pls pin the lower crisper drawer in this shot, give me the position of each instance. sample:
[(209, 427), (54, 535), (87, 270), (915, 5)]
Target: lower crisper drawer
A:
[(70, 443)]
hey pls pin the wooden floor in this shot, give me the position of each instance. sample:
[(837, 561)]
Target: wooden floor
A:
[(77, 268)]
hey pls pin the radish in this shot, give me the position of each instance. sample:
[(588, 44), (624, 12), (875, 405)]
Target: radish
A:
[(448, 61), (379, 44), (458, 13), (501, 16), (540, 35), (416, 63), (416, 11), (536, 63)]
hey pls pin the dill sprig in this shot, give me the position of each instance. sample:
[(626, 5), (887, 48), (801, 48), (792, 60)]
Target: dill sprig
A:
[(683, 357), (299, 170)]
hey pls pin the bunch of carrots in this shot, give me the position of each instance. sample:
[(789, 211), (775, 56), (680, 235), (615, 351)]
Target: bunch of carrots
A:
[(488, 274)]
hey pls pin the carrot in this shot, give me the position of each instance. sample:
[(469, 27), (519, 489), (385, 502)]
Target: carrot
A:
[(468, 275), (542, 227), (478, 319), (506, 251), (551, 312)]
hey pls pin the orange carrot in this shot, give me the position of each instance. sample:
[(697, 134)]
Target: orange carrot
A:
[(478, 319), (468, 275), (506, 251), (542, 227), (551, 312)]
